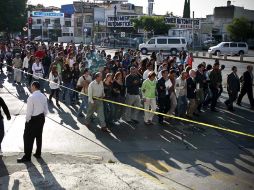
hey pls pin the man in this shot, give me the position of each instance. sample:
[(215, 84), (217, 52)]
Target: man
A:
[(233, 87), (200, 81), (215, 82), (163, 87), (132, 83), (7, 113), (17, 65), (96, 90), (37, 109), (191, 94), (247, 86)]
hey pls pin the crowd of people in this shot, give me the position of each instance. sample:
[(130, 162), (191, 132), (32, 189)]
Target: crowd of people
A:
[(163, 83)]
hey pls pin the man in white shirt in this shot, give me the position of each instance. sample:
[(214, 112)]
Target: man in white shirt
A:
[(96, 89), (37, 109)]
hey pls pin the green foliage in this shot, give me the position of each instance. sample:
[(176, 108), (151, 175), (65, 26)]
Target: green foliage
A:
[(12, 15), (151, 24), (240, 29)]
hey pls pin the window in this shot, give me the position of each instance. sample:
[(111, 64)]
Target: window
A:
[(233, 45), (226, 45), (67, 24), (174, 41), (162, 41), (38, 21), (47, 21), (152, 41), (183, 41), (241, 45), (57, 21)]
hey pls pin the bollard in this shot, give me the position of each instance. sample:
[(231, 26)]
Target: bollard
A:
[(225, 56), (210, 55), (218, 54), (241, 58), (231, 54), (196, 53), (204, 54)]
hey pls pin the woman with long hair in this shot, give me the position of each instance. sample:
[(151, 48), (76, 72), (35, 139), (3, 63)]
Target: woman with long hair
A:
[(54, 82)]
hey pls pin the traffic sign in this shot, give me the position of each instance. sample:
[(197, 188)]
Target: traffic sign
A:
[(122, 34)]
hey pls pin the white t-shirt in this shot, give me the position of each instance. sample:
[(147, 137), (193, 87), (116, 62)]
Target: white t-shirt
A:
[(38, 70)]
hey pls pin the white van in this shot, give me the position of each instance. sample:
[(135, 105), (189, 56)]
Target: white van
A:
[(171, 44), (229, 48)]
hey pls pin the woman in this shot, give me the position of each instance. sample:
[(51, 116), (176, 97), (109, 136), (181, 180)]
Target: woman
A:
[(83, 84), (149, 95), (173, 100), (38, 72), (118, 95), (67, 79), (75, 77), (108, 107), (54, 80)]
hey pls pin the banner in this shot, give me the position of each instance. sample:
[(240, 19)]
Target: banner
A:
[(184, 23), (121, 21)]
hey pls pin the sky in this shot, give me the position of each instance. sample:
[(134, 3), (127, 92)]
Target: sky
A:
[(200, 7)]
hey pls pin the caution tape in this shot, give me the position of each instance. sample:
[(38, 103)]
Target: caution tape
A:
[(150, 111)]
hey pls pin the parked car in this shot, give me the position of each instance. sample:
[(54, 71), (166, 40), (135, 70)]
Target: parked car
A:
[(171, 44), (229, 48)]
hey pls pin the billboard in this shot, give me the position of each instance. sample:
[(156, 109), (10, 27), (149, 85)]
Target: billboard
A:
[(99, 14), (46, 14), (121, 21), (183, 23)]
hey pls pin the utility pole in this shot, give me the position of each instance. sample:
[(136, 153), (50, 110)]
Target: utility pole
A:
[(82, 25), (193, 30), (114, 26)]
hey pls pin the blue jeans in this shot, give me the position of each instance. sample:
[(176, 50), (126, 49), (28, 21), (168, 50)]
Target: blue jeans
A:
[(83, 105), (181, 105), (66, 90), (1, 131)]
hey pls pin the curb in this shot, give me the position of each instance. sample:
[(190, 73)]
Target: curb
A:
[(221, 59)]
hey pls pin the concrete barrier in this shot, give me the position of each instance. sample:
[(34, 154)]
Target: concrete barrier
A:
[(196, 53), (204, 54), (225, 56), (210, 55)]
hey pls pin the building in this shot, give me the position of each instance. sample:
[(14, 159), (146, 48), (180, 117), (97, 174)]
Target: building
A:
[(45, 25), (224, 16)]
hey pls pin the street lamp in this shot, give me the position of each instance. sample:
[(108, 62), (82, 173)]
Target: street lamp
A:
[(114, 26), (82, 25)]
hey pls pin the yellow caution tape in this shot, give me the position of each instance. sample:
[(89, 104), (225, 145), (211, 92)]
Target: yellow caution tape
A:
[(155, 112)]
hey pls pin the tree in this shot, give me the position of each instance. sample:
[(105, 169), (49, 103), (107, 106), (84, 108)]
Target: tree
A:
[(155, 24), (240, 29), (12, 15), (186, 9)]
